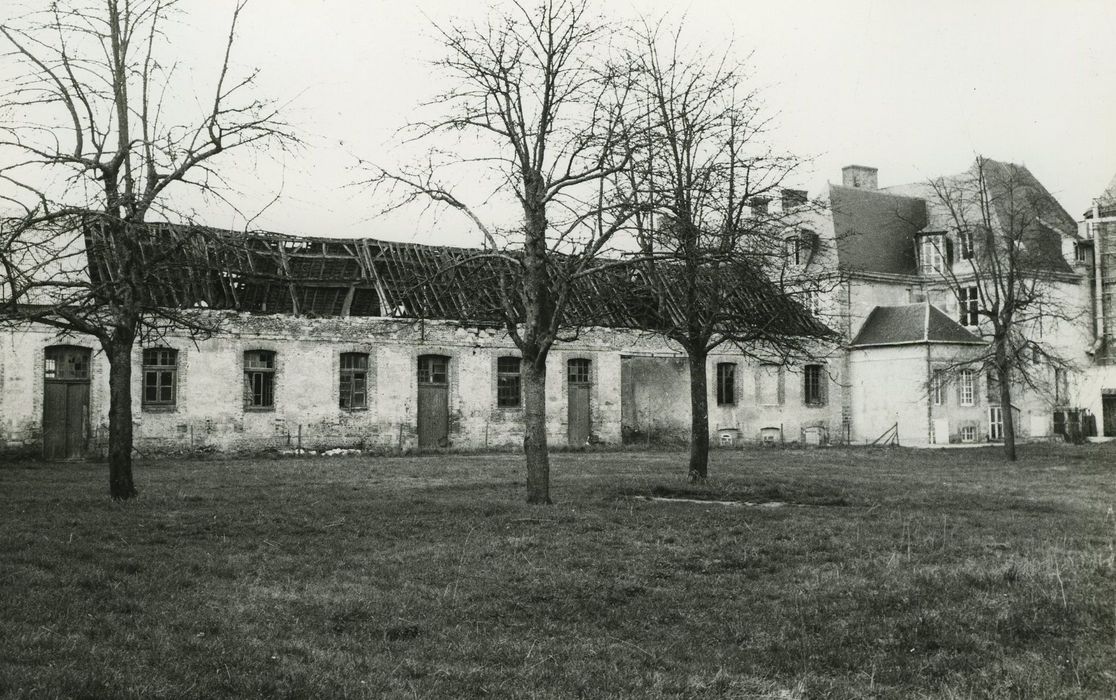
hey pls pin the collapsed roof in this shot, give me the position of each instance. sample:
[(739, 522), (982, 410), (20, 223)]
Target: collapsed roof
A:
[(270, 273)]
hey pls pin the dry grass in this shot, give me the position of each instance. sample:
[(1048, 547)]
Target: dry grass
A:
[(890, 573)]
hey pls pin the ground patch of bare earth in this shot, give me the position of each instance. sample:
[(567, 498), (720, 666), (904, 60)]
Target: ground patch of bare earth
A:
[(889, 573)]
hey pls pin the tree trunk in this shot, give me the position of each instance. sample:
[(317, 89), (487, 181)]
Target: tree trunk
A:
[(534, 437), (1004, 373), (121, 486), (699, 419)]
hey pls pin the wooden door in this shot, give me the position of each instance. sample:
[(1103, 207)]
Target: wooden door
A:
[(578, 401), (65, 402), (1108, 415), (433, 401)]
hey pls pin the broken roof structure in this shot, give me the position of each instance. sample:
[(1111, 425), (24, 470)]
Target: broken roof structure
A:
[(270, 273)]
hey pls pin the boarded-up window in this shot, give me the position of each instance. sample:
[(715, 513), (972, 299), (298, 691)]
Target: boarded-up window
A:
[(259, 379), (353, 388), (769, 390), (726, 383), (160, 378), (508, 382)]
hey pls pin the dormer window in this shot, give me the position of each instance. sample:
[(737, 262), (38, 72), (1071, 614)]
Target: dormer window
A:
[(799, 248), (934, 253)]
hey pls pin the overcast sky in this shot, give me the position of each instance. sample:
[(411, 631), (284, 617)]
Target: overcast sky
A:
[(912, 88)]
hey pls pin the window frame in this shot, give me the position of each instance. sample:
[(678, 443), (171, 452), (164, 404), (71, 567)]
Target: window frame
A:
[(965, 242), (347, 380), (818, 390), (996, 425), (968, 301), (967, 387), (968, 433), (153, 364), (505, 378), (1061, 386), (266, 376), (579, 363), (932, 253), (937, 387), (775, 371), (427, 370), (726, 383)]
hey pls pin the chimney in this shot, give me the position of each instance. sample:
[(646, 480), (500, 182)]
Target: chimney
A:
[(758, 205), (793, 198), (860, 176)]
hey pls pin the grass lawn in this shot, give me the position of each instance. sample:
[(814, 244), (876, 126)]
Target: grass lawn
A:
[(888, 573)]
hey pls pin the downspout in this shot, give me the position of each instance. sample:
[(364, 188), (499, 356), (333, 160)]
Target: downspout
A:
[(1098, 292), (930, 436)]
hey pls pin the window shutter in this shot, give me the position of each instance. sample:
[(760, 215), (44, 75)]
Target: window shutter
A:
[(759, 384), (782, 398), (823, 386), (805, 387), (948, 251)]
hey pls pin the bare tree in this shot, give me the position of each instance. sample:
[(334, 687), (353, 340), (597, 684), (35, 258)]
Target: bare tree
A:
[(995, 238), (713, 254), (533, 85), (91, 151)]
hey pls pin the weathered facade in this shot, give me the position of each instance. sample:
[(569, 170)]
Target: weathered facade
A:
[(322, 343)]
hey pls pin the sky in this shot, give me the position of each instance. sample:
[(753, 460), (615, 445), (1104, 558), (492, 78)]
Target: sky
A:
[(916, 89)]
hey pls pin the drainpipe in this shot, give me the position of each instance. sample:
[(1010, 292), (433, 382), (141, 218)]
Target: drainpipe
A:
[(1098, 293)]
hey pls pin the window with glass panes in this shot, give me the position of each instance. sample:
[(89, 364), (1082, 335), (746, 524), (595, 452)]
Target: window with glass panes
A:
[(259, 379), (968, 299), (726, 383), (813, 387), (433, 369), (508, 382), (160, 377), (579, 371), (353, 387), (967, 381)]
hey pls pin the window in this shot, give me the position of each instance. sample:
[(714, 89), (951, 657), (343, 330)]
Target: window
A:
[(932, 253), (796, 251), (813, 386), (937, 387), (968, 433), (770, 390), (995, 423), (993, 386), (259, 379), (812, 301), (968, 388), (726, 383), (579, 371), (160, 378), (1061, 387), (965, 237), (353, 387), (508, 382), (969, 300), (65, 362), (433, 369), (1081, 252)]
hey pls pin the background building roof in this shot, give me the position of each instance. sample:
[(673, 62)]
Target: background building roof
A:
[(912, 324)]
